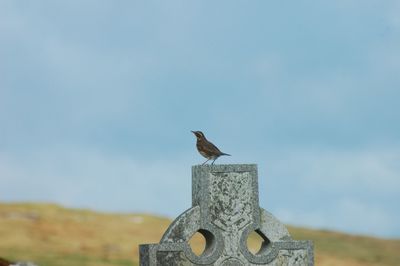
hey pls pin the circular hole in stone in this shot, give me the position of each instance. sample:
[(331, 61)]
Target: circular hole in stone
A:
[(201, 242), (197, 243), (257, 242)]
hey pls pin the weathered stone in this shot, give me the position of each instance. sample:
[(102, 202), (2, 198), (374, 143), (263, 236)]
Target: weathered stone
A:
[(225, 210), (23, 263)]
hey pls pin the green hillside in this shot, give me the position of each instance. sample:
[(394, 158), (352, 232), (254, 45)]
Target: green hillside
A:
[(50, 235)]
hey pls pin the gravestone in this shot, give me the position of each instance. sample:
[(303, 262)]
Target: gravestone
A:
[(225, 210)]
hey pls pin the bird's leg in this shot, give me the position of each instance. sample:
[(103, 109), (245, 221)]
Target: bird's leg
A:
[(213, 161), (205, 162)]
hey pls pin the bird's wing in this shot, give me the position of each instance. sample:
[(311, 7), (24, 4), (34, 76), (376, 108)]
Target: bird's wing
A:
[(211, 148)]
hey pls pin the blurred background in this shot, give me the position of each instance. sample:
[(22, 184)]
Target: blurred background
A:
[(97, 100)]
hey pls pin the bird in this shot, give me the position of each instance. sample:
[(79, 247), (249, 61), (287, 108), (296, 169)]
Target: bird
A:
[(206, 148)]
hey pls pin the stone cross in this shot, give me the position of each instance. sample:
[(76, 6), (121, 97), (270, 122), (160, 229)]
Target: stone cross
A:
[(225, 210)]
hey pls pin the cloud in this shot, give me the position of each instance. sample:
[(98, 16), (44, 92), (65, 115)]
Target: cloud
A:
[(96, 110), (348, 215), (351, 191), (354, 192), (371, 169), (84, 178)]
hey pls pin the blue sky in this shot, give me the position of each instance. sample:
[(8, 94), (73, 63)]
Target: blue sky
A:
[(97, 100)]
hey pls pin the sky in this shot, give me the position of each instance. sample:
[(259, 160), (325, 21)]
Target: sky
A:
[(97, 100)]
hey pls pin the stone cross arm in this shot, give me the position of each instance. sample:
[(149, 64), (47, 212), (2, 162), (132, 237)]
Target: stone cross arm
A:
[(225, 210)]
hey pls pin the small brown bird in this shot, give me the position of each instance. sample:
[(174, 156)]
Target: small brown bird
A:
[(206, 148)]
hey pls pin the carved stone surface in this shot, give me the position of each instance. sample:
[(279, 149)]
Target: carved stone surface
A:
[(225, 210)]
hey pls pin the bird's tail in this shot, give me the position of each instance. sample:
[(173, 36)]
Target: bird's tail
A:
[(226, 154)]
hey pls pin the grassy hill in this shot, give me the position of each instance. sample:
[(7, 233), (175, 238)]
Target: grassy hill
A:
[(50, 235)]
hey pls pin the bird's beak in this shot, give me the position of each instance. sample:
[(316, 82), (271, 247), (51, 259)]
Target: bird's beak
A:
[(192, 131)]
